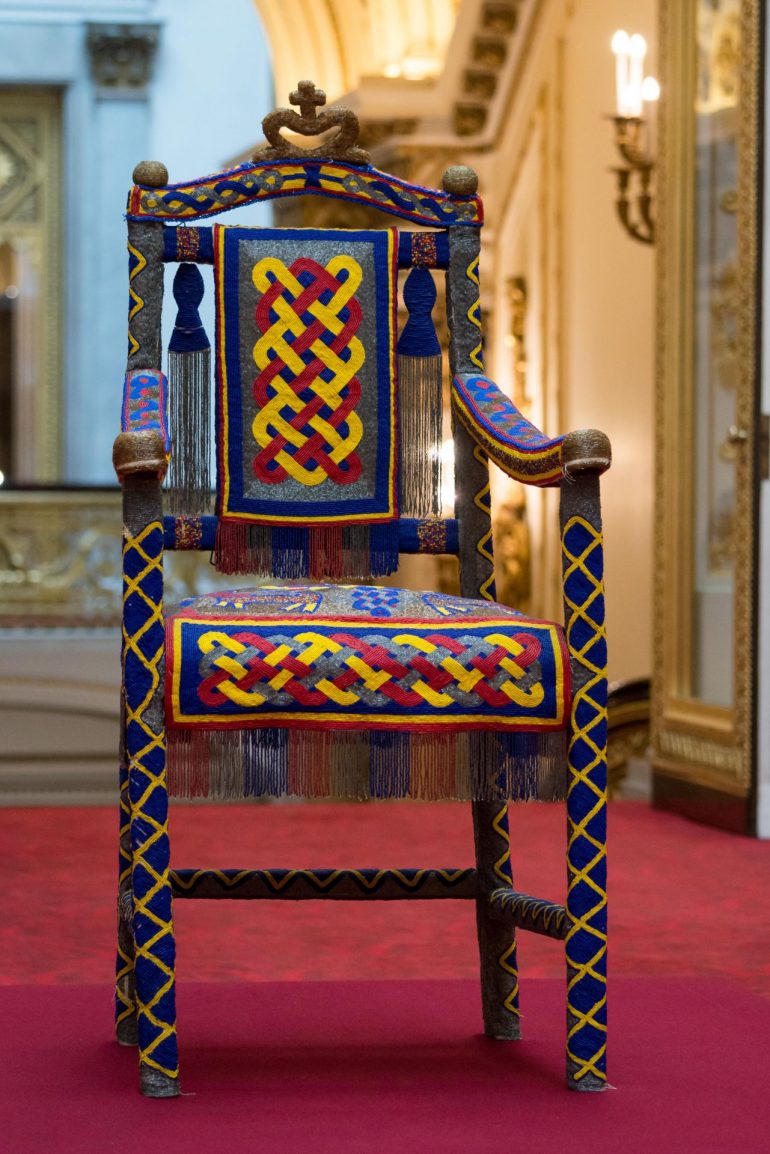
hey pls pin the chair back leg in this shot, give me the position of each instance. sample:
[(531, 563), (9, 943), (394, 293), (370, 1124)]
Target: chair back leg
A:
[(497, 938)]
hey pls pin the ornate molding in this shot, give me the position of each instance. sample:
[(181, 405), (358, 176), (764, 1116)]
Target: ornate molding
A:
[(497, 25), (30, 227), (122, 55), (60, 560)]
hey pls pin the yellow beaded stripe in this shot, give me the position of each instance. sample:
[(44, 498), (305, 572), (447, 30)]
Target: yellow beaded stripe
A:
[(124, 1007), (279, 880), (502, 868), (476, 355), (137, 304), (589, 972), (482, 501), (143, 806)]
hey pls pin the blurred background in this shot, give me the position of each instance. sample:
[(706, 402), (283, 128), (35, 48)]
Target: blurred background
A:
[(620, 289)]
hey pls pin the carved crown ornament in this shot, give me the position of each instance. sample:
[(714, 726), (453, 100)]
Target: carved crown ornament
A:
[(307, 122)]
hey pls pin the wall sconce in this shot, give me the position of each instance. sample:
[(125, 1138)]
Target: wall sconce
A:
[(634, 178)]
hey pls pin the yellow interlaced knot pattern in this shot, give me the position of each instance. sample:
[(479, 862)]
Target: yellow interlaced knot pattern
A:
[(503, 873), (273, 420), (580, 563), (137, 304), (484, 546), (134, 586), (317, 645), (278, 883), (476, 354)]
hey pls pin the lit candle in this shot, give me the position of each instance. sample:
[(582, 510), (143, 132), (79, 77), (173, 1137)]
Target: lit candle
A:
[(638, 51), (650, 89), (621, 42)]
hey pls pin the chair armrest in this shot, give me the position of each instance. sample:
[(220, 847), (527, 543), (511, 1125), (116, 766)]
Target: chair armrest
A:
[(515, 444), (143, 445)]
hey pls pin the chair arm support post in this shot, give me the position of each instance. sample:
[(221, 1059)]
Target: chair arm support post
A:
[(145, 751), (586, 939), (145, 289)]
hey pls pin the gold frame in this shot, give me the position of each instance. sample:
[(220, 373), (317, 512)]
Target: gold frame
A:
[(697, 743), (44, 190)]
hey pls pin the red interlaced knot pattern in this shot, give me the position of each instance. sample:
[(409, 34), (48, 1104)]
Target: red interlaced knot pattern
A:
[(314, 450), (377, 659)]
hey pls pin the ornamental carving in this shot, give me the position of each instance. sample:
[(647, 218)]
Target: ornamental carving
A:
[(122, 55)]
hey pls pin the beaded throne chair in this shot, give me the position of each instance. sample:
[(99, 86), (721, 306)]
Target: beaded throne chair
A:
[(327, 426)]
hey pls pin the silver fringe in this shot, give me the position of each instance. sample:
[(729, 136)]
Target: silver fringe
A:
[(420, 429), (189, 476)]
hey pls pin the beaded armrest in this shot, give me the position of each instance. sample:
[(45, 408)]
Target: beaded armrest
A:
[(515, 444)]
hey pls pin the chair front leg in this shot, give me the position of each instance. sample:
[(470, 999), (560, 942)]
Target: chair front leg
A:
[(586, 941), (125, 992), (496, 937), (143, 672)]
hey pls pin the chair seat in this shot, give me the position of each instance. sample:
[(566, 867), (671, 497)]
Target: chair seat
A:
[(342, 671)]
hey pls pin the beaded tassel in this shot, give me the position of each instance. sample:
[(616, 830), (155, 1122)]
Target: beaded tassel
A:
[(420, 400), (189, 374)]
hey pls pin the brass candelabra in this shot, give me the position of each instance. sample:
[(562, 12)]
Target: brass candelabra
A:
[(634, 178)]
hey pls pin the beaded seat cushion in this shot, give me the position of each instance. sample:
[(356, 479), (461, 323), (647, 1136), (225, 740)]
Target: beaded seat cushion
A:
[(354, 690)]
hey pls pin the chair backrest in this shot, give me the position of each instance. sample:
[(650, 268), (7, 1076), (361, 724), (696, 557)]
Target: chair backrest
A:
[(311, 371)]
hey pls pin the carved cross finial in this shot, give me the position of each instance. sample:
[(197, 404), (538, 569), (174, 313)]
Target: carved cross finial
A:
[(307, 98)]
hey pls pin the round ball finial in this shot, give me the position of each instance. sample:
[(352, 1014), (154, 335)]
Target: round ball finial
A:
[(151, 174), (459, 180)]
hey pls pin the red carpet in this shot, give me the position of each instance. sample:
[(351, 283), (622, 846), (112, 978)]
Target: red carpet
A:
[(684, 899), (388, 1068)]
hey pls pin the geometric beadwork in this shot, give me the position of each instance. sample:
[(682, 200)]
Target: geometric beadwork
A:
[(306, 376), (144, 403), (262, 180), (494, 422), (586, 941), (365, 670), (145, 749)]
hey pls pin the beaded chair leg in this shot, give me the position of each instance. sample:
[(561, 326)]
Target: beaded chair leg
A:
[(125, 993), (497, 940), (586, 941), (143, 659), (153, 931)]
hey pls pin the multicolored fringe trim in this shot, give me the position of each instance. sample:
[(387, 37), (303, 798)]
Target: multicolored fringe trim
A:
[(482, 765), (353, 552)]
